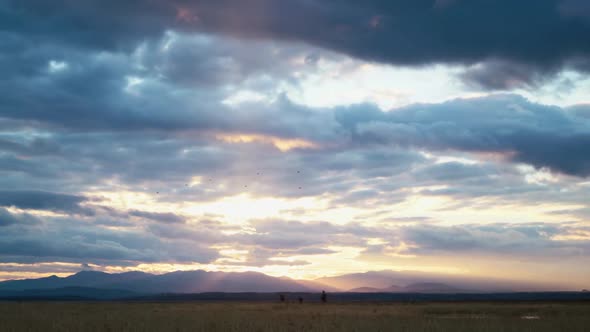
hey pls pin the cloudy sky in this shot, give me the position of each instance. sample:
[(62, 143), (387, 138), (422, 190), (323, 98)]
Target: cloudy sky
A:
[(304, 138)]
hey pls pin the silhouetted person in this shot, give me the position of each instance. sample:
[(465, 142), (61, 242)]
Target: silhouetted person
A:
[(300, 300), (282, 297), (324, 297)]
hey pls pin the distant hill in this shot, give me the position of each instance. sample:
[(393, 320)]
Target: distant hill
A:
[(368, 290), (318, 286), (431, 288), (390, 289), (81, 279), (420, 282)]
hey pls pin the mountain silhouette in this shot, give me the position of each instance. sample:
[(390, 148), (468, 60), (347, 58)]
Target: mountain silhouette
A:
[(426, 287), (175, 282), (390, 289), (423, 282), (432, 287), (94, 284)]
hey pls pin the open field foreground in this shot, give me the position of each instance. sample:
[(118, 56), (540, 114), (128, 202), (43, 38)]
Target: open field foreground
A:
[(118, 316)]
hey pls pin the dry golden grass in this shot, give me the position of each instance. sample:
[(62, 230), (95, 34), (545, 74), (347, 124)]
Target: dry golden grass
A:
[(117, 316)]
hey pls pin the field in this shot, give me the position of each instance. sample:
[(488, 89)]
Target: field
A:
[(232, 316)]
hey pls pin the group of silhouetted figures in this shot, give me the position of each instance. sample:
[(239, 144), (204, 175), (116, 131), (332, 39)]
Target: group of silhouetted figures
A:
[(323, 298)]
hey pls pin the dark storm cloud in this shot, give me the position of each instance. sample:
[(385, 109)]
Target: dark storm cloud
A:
[(476, 185), (534, 39), (141, 141), (287, 238), (452, 171), (42, 268), (539, 135), (501, 75), (203, 61), (93, 92), (79, 240), (505, 239), (41, 200), (85, 241), (127, 92), (167, 218), (76, 250), (96, 24), (37, 146), (8, 219), (13, 165), (575, 8)]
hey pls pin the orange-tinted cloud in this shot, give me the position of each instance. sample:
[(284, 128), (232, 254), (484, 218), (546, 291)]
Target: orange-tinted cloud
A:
[(283, 144)]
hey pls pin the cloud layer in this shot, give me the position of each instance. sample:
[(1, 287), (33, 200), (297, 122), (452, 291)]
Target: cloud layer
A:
[(154, 133), (531, 39)]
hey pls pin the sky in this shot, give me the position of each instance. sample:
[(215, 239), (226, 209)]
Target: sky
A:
[(300, 138)]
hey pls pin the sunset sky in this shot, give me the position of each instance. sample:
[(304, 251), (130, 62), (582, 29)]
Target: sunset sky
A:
[(300, 138)]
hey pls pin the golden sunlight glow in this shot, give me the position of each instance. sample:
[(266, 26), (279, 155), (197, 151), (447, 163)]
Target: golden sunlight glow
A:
[(283, 144), (122, 199), (580, 235), (36, 213), (196, 180), (376, 242), (244, 207), (10, 271), (347, 260), (232, 256)]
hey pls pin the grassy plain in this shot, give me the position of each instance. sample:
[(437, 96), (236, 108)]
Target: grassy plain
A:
[(232, 316)]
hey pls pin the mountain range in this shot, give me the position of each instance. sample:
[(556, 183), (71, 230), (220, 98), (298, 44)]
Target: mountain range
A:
[(414, 281), (94, 284), (175, 282)]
